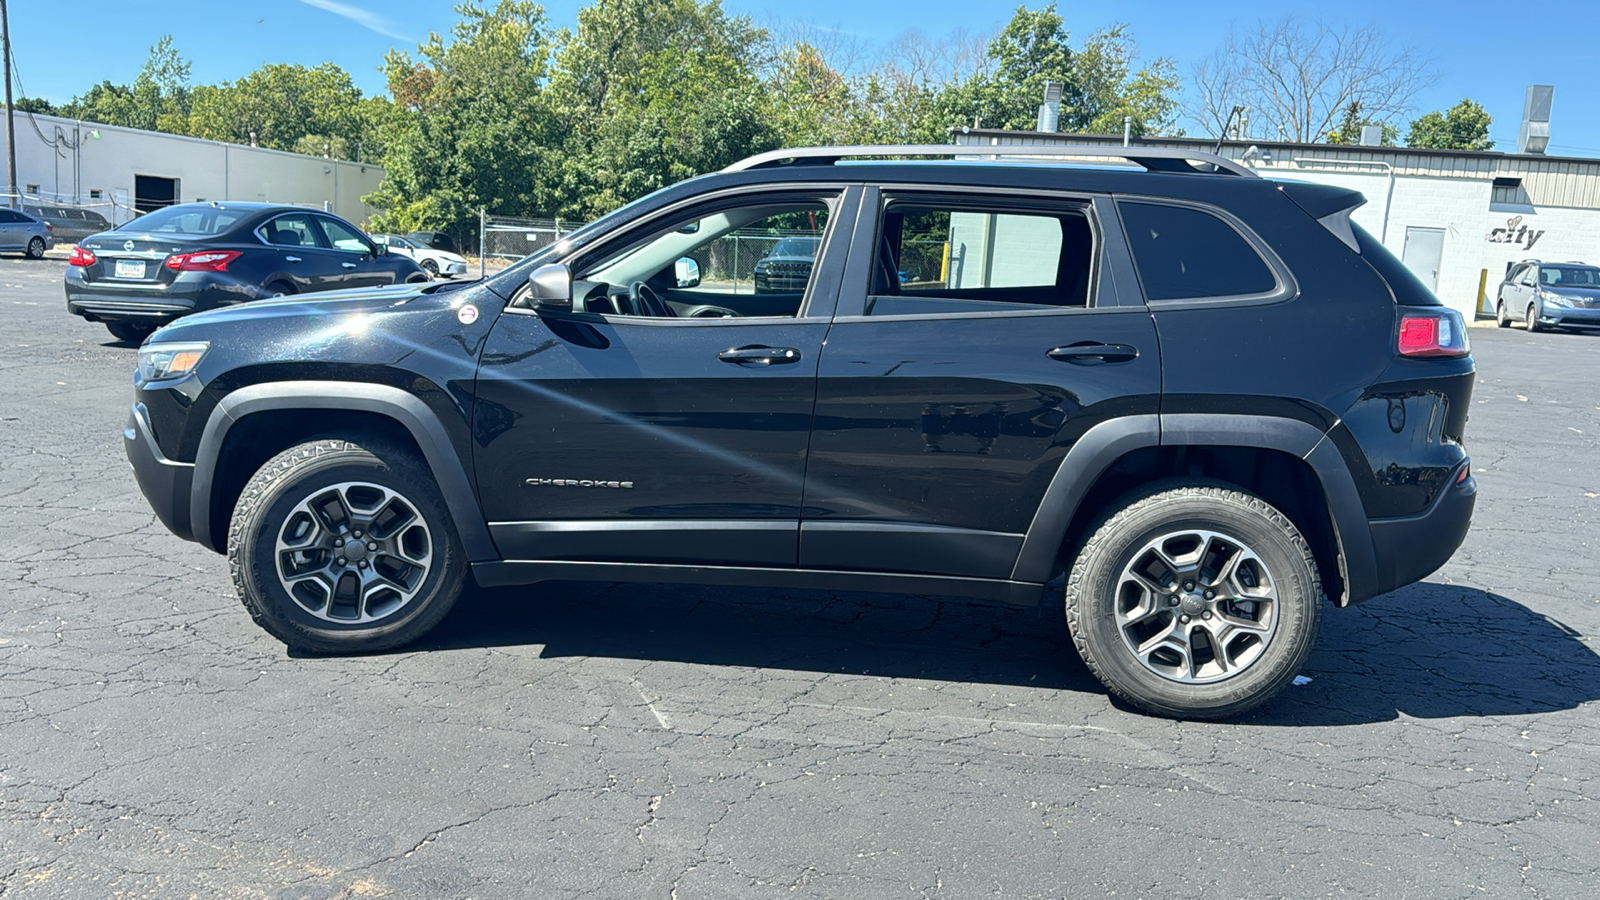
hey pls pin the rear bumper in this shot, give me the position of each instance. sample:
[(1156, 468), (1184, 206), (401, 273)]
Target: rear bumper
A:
[(166, 484), (104, 301), (1409, 549)]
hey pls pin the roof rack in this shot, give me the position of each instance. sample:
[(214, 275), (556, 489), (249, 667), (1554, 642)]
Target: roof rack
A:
[(1153, 159)]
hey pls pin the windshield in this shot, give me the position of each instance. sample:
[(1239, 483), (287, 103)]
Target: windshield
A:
[(792, 246), (1569, 276), (186, 220)]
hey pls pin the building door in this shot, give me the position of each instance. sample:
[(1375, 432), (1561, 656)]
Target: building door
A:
[(151, 193), (1423, 250)]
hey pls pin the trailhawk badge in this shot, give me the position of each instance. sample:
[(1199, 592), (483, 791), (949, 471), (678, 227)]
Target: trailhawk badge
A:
[(578, 482)]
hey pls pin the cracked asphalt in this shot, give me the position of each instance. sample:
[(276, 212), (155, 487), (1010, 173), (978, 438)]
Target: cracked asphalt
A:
[(575, 740)]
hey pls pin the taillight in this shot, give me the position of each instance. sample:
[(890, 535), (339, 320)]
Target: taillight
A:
[(204, 261), (49, 227), (1432, 333), (80, 257)]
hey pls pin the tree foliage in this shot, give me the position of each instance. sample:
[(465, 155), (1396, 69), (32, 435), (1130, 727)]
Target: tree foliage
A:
[(471, 128), (1351, 123), (507, 114), (1464, 126)]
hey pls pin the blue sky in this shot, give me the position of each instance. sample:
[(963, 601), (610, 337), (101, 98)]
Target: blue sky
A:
[(1487, 51)]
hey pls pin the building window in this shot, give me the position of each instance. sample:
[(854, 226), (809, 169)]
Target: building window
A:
[(94, 195), (1509, 191), (32, 189)]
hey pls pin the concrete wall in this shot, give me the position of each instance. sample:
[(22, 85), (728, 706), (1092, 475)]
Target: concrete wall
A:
[(205, 170)]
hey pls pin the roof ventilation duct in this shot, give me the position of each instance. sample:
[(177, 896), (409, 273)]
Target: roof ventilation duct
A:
[(1050, 110), (1534, 135)]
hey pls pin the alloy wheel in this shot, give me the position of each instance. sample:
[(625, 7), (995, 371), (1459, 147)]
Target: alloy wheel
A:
[(353, 552), (1196, 606)]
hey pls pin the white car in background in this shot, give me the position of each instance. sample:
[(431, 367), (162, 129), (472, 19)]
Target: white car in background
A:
[(434, 262)]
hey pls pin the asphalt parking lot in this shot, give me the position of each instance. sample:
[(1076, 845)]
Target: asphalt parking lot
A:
[(675, 742)]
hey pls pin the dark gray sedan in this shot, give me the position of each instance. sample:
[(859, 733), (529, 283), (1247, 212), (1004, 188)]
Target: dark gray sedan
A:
[(25, 234), (198, 256)]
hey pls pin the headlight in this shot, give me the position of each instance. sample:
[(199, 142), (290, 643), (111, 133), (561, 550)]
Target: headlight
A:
[(158, 361), (1555, 299)]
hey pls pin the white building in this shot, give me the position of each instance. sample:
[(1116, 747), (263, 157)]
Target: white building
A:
[(124, 171), (1457, 218)]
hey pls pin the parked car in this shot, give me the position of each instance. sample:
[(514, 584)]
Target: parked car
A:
[(787, 267), (437, 240), (1201, 400), (71, 223), (24, 233), (434, 262), (1549, 295), (197, 256)]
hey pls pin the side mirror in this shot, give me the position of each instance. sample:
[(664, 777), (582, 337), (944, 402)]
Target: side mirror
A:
[(687, 272), (379, 248), (550, 288)]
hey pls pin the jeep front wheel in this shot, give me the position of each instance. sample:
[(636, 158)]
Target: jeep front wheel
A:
[(1194, 600), (340, 547)]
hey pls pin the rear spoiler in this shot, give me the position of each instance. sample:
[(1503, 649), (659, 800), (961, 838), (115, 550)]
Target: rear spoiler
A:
[(1327, 204)]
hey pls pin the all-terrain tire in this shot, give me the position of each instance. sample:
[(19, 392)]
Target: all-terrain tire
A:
[(376, 485), (1105, 599)]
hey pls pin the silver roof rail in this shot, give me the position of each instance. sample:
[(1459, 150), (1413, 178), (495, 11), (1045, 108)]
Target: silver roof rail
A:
[(1153, 159)]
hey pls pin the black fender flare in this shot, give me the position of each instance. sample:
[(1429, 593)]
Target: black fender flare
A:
[(411, 413), (1108, 441)]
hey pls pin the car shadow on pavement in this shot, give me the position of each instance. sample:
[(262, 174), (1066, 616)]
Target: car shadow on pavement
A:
[(883, 635), (1428, 651), (1432, 651)]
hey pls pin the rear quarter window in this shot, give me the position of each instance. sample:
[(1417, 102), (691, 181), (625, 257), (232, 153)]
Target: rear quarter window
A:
[(1184, 253)]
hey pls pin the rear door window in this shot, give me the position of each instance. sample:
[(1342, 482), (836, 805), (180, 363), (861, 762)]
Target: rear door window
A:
[(1183, 253), (940, 257)]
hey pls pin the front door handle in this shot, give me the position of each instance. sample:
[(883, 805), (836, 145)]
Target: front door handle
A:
[(1095, 354), (760, 356), (348, 265), (292, 258)]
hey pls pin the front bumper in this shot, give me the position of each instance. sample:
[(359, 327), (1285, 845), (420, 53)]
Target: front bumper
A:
[(1569, 316), (1410, 548), (165, 484)]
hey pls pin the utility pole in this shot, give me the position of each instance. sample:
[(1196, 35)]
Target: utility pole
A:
[(11, 130)]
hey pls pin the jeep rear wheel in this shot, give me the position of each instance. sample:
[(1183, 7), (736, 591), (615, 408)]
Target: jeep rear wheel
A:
[(1194, 600), (339, 547)]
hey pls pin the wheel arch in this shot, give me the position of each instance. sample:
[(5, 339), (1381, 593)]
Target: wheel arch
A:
[(1287, 462), (266, 418)]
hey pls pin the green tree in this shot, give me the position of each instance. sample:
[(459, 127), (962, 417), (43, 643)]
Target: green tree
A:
[(1099, 82), (1352, 120), (649, 92), (1464, 126), (160, 91), (279, 106), (470, 126)]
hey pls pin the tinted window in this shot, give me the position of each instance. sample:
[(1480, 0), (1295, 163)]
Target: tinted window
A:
[(1186, 254), (186, 220), (7, 215), (293, 230), (940, 259)]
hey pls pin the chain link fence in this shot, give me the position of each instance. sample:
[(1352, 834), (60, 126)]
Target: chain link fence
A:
[(502, 240)]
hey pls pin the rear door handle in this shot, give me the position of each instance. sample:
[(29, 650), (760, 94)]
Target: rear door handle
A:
[(760, 356), (292, 258), (1095, 354)]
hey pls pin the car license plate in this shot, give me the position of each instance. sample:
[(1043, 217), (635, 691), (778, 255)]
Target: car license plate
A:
[(130, 268)]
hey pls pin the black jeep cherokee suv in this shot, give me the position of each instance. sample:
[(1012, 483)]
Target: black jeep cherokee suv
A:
[(1203, 399)]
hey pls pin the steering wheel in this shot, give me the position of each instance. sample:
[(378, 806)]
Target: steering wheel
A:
[(646, 302)]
